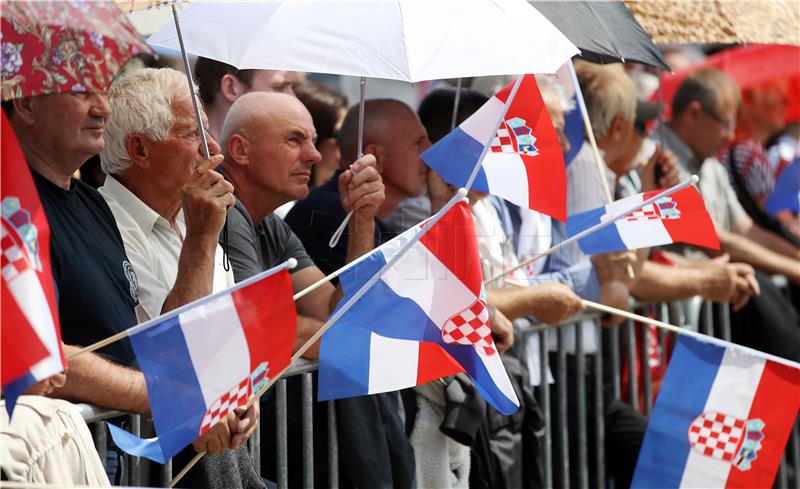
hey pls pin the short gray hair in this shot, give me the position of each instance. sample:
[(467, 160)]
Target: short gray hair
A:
[(608, 91), (141, 103)]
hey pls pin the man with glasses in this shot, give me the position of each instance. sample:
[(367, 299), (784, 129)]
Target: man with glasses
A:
[(703, 113)]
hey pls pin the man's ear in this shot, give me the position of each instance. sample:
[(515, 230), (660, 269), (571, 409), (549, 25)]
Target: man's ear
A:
[(238, 150), (231, 87), (138, 150), (379, 152), (616, 125), (23, 110), (693, 110)]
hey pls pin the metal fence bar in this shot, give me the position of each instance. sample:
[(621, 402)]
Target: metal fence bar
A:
[(544, 401), (795, 454), (580, 407), (135, 463), (724, 316), (100, 437), (166, 473), (613, 346), (644, 360), (333, 447), (254, 444), (599, 418), (707, 319), (307, 404), (561, 406), (630, 349), (783, 476), (281, 437)]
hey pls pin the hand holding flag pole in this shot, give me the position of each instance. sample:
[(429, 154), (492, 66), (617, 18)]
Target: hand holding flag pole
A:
[(692, 180)]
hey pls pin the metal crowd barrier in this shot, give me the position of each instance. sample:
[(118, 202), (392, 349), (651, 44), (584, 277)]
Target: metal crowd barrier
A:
[(616, 348)]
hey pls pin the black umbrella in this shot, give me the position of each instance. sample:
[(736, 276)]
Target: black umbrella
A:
[(605, 32)]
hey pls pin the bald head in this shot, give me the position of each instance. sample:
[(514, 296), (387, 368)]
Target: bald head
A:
[(381, 117)]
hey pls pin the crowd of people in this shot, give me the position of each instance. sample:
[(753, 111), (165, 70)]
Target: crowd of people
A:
[(284, 172)]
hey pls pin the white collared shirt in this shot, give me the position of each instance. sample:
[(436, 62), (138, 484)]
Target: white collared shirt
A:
[(152, 246)]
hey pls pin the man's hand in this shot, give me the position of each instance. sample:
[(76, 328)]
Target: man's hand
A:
[(555, 303), (218, 438), (614, 294), (206, 198), (728, 282), (45, 387), (439, 191), (244, 424), (502, 330), (613, 266), (667, 164), (361, 188)]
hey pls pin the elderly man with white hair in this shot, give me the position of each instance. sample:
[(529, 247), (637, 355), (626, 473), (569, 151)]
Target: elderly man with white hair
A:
[(170, 206)]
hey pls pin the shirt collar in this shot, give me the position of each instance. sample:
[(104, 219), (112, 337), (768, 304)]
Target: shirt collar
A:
[(145, 217)]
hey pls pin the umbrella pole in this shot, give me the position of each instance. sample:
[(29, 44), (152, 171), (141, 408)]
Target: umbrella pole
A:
[(455, 104), (337, 235)]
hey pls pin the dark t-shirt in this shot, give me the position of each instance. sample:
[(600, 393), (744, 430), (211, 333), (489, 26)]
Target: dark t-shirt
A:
[(255, 248), (315, 219), (95, 283)]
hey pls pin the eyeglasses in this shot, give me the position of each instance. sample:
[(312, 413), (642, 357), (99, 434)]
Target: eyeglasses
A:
[(726, 124)]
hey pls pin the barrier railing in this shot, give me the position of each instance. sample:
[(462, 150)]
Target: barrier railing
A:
[(617, 367)]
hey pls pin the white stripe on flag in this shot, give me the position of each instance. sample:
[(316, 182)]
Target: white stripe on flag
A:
[(506, 176), (642, 233), (732, 393), (481, 125), (393, 363), (217, 346)]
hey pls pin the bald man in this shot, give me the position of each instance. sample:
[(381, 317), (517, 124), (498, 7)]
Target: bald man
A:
[(394, 135), (269, 151)]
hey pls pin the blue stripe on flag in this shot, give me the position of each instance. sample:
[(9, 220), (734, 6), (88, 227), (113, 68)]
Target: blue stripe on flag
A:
[(786, 193), (176, 399), (15, 388), (602, 241), (683, 395), (454, 156)]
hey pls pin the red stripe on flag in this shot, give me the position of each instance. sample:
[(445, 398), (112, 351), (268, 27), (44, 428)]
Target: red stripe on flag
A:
[(695, 225), (776, 403), (547, 185), (454, 242), (267, 313), (434, 363)]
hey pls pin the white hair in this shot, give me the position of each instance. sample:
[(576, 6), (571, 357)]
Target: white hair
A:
[(141, 103), (608, 91)]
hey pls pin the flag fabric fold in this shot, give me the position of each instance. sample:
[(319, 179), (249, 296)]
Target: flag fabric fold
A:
[(208, 359), (30, 335), (785, 196), (425, 318), (678, 218), (524, 163), (722, 418)]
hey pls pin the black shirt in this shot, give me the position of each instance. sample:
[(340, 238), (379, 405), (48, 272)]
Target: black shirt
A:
[(95, 283), (315, 219)]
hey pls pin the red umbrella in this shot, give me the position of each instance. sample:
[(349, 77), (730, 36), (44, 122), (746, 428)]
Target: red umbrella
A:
[(58, 46), (750, 66)]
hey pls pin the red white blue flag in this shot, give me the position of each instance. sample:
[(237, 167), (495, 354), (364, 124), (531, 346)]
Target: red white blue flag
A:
[(425, 318), (722, 418), (524, 163), (30, 335), (677, 218), (204, 360)]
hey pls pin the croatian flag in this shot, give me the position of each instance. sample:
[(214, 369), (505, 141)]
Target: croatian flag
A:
[(425, 318), (30, 335), (206, 359), (785, 195), (722, 418), (524, 163), (677, 218)]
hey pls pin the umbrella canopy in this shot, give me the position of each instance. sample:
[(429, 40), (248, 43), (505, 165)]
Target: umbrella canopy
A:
[(408, 40), (751, 66), (58, 46), (605, 32), (719, 21)]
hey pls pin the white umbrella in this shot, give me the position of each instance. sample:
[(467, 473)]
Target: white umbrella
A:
[(409, 40)]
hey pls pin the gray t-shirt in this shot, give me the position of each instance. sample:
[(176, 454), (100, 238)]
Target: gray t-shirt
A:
[(255, 248)]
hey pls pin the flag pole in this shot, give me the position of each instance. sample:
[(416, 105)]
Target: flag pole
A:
[(692, 180), (590, 133), (462, 192)]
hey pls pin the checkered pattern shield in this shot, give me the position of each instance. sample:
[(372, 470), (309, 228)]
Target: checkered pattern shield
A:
[(14, 259), (229, 401), (717, 435), (470, 327), (503, 142)]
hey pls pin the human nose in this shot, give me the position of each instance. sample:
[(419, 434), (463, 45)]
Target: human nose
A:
[(99, 106), (213, 146), (312, 155)]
